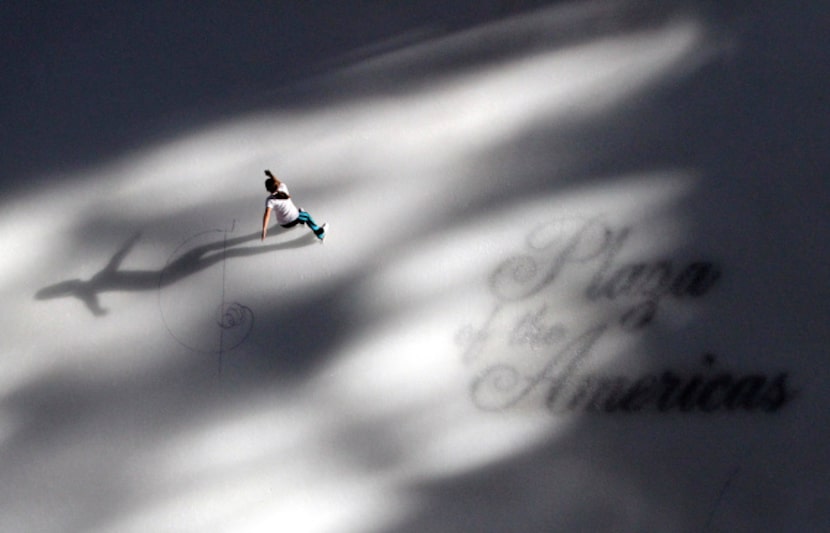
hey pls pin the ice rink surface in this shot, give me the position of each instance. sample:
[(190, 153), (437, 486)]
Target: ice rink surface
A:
[(575, 278)]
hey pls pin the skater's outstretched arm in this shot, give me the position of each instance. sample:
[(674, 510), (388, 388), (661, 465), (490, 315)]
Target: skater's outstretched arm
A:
[(265, 219)]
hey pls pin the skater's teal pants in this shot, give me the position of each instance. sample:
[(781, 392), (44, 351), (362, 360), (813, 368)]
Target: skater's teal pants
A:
[(305, 218)]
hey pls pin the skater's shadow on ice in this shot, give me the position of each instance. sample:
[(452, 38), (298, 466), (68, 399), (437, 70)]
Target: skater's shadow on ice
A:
[(111, 279)]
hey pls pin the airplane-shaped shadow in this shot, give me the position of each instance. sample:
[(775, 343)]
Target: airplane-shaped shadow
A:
[(110, 278)]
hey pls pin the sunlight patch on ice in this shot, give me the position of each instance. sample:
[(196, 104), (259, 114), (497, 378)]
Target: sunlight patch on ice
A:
[(272, 460), (414, 379), (258, 502), (489, 107), (448, 264)]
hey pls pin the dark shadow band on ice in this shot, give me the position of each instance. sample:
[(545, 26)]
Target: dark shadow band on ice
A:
[(111, 279)]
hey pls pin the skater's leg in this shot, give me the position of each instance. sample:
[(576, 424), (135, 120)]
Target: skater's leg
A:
[(306, 218)]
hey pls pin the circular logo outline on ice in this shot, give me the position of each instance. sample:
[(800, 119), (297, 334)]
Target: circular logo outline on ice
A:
[(193, 296)]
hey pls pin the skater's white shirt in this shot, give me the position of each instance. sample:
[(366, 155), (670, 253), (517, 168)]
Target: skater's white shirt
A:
[(284, 208)]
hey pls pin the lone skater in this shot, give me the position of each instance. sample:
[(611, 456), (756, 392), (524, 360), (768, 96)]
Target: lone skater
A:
[(288, 215)]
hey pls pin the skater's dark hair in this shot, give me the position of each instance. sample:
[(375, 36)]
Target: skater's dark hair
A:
[(271, 185)]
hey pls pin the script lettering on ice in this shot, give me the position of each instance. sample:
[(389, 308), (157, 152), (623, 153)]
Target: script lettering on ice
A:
[(569, 292)]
